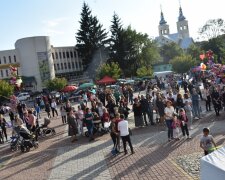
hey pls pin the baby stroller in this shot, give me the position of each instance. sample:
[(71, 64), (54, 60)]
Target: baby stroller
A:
[(28, 140), (15, 140), (97, 129), (43, 130)]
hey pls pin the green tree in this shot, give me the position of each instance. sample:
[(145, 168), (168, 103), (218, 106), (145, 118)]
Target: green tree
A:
[(212, 29), (109, 69), (183, 63), (91, 35), (194, 50), (144, 71), (56, 84), (170, 51), (6, 90)]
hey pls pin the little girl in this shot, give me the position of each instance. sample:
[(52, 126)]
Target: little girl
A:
[(184, 123), (176, 126)]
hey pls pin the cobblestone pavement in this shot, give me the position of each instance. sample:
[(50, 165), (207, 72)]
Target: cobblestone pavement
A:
[(154, 157)]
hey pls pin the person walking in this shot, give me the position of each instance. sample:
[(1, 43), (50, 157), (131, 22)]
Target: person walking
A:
[(80, 118), (195, 103), (124, 134), (47, 109)]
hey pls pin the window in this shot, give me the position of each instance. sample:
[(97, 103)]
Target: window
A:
[(4, 59), (56, 55), (185, 27), (80, 64), (181, 28), (76, 65), (0, 61), (69, 66), (71, 54), (14, 58), (2, 73), (73, 66), (65, 65), (54, 67), (10, 59), (60, 55), (6, 72), (67, 55), (64, 55), (58, 67), (62, 66), (53, 56), (75, 54)]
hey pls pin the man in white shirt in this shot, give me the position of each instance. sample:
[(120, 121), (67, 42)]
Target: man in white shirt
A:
[(124, 133), (54, 108)]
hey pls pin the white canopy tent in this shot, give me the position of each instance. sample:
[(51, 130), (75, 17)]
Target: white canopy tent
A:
[(212, 166)]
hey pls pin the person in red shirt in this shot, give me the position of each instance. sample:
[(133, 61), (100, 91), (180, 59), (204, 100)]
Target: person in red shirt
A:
[(105, 116)]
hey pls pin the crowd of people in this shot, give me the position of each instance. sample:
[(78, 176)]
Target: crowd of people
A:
[(171, 101)]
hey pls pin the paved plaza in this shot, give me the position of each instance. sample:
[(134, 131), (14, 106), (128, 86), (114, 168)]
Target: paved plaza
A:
[(155, 158)]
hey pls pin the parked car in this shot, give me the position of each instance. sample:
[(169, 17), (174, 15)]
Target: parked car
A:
[(23, 96)]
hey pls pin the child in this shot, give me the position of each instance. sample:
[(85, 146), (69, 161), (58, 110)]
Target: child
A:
[(207, 141), (63, 113), (188, 110), (176, 126), (184, 123)]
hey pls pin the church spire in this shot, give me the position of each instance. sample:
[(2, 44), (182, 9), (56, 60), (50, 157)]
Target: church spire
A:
[(181, 16), (162, 20)]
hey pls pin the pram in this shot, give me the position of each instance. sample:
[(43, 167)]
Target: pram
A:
[(43, 130), (97, 129), (28, 139), (15, 140)]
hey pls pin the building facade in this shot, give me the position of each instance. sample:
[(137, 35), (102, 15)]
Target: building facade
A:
[(182, 37), (37, 61)]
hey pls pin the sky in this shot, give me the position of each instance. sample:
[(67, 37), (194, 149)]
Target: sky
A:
[(59, 19)]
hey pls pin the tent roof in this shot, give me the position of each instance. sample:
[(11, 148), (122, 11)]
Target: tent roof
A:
[(106, 80)]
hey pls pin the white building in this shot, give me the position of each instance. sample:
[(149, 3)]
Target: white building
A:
[(38, 61), (182, 37)]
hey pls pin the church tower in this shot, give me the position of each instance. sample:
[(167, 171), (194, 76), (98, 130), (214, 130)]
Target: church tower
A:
[(163, 26), (182, 25)]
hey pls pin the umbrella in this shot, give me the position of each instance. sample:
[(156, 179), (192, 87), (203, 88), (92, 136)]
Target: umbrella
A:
[(86, 85), (69, 88)]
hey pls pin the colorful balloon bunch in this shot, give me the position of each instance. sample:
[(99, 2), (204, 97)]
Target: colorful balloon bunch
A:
[(15, 80)]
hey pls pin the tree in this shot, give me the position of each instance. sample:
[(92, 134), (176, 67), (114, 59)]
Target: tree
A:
[(194, 50), (56, 84), (6, 90), (183, 63), (144, 71), (212, 29), (109, 69), (169, 51), (90, 36)]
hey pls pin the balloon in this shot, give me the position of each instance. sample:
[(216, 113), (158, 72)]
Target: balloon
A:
[(202, 56)]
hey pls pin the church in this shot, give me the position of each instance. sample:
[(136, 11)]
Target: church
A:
[(182, 37)]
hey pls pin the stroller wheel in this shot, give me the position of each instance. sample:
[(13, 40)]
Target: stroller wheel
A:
[(53, 132), (28, 149), (22, 149), (86, 134)]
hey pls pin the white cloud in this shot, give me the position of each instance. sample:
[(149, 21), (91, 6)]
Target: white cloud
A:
[(52, 27)]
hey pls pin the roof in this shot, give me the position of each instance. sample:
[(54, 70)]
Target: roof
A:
[(186, 42), (106, 80)]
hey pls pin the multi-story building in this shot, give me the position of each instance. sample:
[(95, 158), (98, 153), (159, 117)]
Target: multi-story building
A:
[(38, 61)]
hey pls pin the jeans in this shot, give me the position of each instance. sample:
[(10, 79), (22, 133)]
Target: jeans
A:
[(208, 103), (144, 114), (170, 129), (126, 139), (196, 108)]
